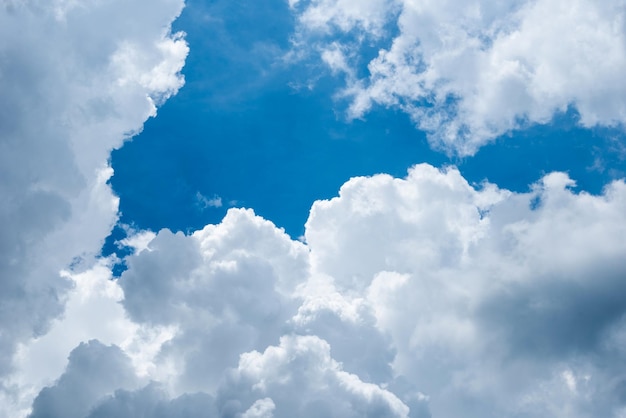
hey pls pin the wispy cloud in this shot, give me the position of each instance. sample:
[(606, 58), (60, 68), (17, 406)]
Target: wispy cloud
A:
[(205, 202), (467, 72)]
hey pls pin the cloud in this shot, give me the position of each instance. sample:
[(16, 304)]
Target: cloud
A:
[(94, 370), (77, 79), (345, 15), (486, 294), (467, 72), (227, 288), (92, 312), (262, 408), (204, 202), (152, 401), (461, 299), (302, 379), (422, 296)]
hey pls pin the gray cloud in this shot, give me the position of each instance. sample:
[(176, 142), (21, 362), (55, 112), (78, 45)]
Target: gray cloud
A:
[(76, 80), (228, 288), (302, 379), (153, 402), (94, 370)]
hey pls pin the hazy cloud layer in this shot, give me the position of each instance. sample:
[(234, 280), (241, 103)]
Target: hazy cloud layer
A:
[(469, 71), (414, 297), (77, 78)]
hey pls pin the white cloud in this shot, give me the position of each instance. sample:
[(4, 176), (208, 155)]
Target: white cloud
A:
[(467, 72), (302, 379), (418, 297), (346, 14), (77, 79), (138, 241), (204, 202), (228, 289), (262, 408), (92, 312)]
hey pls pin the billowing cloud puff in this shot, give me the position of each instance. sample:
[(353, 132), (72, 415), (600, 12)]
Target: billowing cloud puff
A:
[(77, 79), (302, 379), (228, 288), (415, 297), (469, 71), (94, 370), (487, 295), (153, 402)]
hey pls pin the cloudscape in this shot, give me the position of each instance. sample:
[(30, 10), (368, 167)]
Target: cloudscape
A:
[(312, 208)]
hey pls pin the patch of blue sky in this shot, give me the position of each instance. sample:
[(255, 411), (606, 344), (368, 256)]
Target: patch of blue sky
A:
[(591, 157), (247, 128), (255, 131)]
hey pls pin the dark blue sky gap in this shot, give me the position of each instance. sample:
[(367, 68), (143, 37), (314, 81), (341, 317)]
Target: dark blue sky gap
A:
[(239, 131)]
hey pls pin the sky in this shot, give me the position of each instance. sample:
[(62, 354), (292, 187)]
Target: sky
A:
[(312, 208)]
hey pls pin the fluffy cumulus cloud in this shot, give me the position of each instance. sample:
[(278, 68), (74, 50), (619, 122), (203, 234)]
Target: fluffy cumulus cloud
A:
[(227, 289), (77, 79), (302, 379), (469, 71), (490, 298), (417, 297), (93, 370)]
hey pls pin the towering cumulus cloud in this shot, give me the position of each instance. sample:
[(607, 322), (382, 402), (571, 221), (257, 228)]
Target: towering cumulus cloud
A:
[(468, 71), (415, 297), (411, 297), (76, 79)]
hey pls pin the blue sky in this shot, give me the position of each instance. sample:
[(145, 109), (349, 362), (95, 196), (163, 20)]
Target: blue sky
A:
[(241, 130), (312, 208), (249, 136)]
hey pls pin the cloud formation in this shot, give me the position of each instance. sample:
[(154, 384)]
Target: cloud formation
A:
[(415, 297), (93, 370), (486, 294), (77, 79), (467, 72), (424, 296)]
